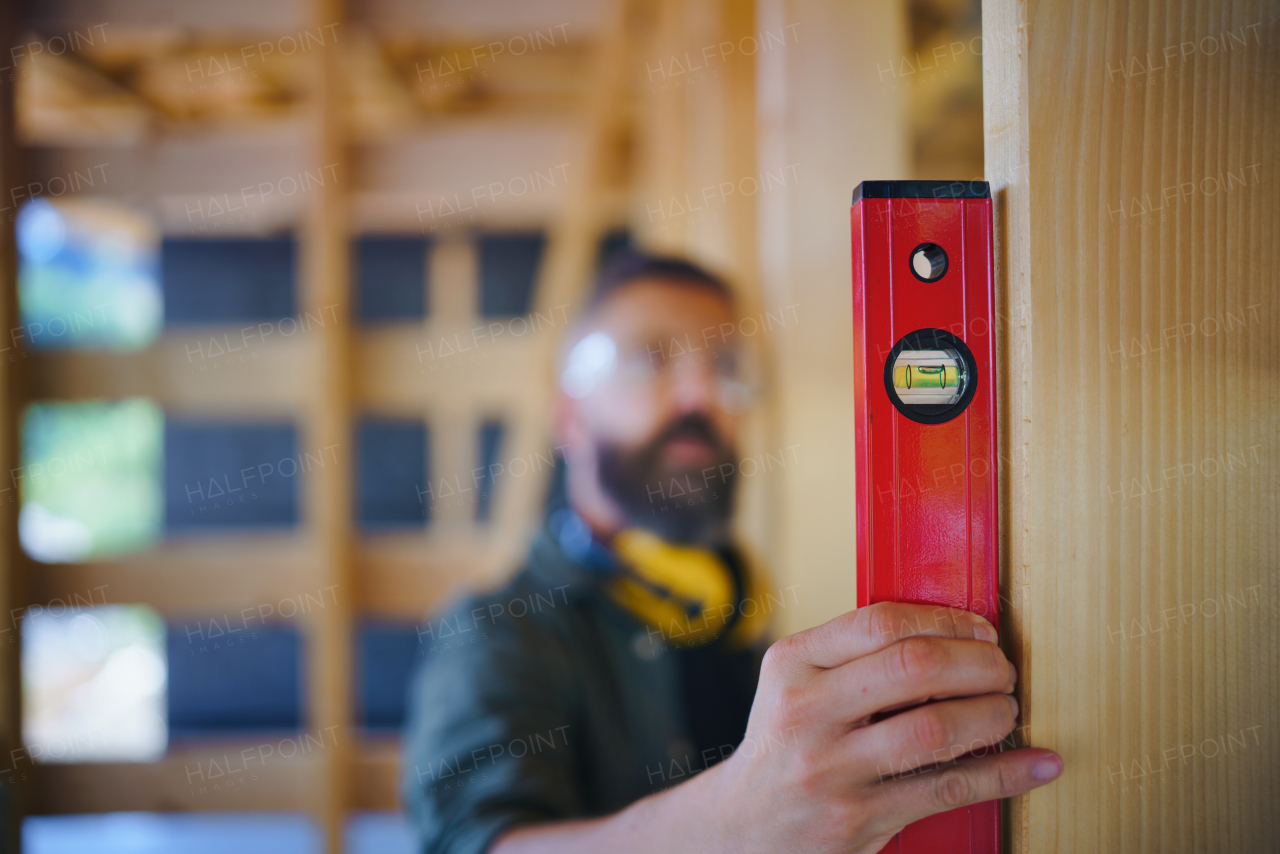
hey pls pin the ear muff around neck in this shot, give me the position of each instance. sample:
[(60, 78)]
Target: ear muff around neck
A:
[(688, 594)]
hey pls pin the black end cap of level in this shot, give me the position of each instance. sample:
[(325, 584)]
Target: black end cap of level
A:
[(922, 190)]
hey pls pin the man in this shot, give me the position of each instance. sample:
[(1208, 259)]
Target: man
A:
[(615, 696)]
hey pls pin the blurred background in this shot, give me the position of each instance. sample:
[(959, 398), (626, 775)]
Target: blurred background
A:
[(289, 280)]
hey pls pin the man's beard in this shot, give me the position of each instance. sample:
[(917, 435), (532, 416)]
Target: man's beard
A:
[(678, 503)]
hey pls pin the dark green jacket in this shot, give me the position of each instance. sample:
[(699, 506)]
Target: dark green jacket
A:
[(544, 701)]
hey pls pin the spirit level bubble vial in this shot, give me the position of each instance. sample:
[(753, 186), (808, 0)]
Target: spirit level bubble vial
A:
[(925, 423)]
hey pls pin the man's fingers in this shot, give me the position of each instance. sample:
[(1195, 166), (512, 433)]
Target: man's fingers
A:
[(874, 627), (915, 670), (928, 735), (968, 781)]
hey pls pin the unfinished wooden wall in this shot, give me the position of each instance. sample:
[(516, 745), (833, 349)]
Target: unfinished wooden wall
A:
[(1132, 148), (386, 169), (697, 191), (363, 105), (830, 120)]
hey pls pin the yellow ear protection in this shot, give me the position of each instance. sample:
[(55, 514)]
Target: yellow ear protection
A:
[(688, 594)]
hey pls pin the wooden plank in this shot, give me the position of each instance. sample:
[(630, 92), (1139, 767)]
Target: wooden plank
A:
[(1141, 225), (570, 256), (245, 774), (269, 772), (223, 372), (325, 281), (438, 366), (663, 133), (405, 576), (228, 182), (572, 240), (699, 131), (1006, 138), (191, 577), (377, 775), (759, 502), (825, 123), (402, 575)]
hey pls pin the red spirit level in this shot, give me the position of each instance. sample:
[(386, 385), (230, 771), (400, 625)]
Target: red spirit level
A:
[(925, 430)]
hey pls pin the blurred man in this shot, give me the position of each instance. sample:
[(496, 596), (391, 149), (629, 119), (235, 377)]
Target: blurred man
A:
[(602, 701)]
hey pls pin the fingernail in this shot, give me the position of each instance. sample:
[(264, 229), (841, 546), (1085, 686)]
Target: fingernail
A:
[(1047, 768), (1013, 704), (1013, 674), (984, 631)]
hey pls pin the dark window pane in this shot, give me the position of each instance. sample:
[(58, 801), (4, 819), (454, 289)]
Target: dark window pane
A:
[(225, 281), (233, 475), (391, 474), (233, 673), (386, 655), (390, 274), (611, 243), (508, 265), (490, 445)]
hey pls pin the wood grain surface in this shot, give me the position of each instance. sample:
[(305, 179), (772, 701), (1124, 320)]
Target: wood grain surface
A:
[(1132, 149)]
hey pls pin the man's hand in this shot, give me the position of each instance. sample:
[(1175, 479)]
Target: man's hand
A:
[(821, 771)]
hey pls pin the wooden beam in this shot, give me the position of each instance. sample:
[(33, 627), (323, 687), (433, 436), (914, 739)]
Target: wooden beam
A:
[(571, 252), (325, 282), (245, 774), (662, 134), (760, 501), (825, 123), (1006, 131), (189, 577), (402, 575), (376, 783), (415, 369), (573, 236), (224, 372), (76, 103), (405, 577), (1138, 235)]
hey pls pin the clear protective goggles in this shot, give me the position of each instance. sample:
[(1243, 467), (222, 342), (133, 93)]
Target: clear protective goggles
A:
[(599, 360)]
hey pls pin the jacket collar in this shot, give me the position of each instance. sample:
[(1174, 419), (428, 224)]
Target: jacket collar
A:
[(563, 552)]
